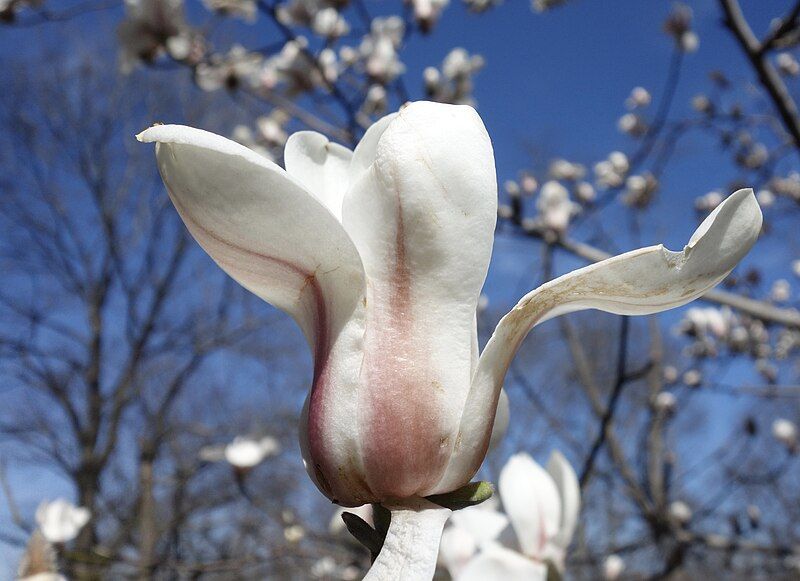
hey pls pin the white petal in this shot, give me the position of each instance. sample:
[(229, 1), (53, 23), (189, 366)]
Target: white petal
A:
[(456, 549), (532, 503), (262, 227), (321, 166), (501, 420), (570, 493), (501, 564), (644, 281), (422, 217), (481, 524), (365, 151)]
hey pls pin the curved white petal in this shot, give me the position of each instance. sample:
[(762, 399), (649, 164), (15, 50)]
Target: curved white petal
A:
[(456, 549), (569, 491), (501, 420), (262, 227), (367, 148), (422, 216), (321, 166), (412, 544), (644, 281), (532, 503), (481, 524), (500, 564)]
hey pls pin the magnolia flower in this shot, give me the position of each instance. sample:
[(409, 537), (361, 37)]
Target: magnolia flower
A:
[(562, 169), (427, 12), (613, 567), (243, 452), (469, 531), (554, 206), (543, 507), (379, 255), (680, 512), (787, 64), (639, 97), (60, 521), (245, 9), (785, 432)]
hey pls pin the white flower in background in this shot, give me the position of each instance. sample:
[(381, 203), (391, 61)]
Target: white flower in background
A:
[(787, 64), (152, 27), (665, 402), (427, 12), (796, 267), (611, 172), (321, 16), (785, 432), (781, 291), (376, 101), (386, 295), (543, 507), (638, 99), (453, 84), (585, 193), (243, 452), (60, 521), (679, 26), (528, 183), (708, 202), (670, 374), (544, 5), (481, 5), (294, 533), (244, 9), (562, 169), (378, 49), (639, 190), (554, 206), (692, 378), (295, 67), (753, 155), (230, 70), (680, 512), (632, 124), (702, 104), (613, 567), (469, 531), (765, 198), (704, 320)]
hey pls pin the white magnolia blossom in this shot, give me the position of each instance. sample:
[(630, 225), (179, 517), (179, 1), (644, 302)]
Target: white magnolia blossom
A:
[(294, 533), (60, 521), (152, 27), (632, 124), (611, 172), (787, 64), (679, 26), (321, 16), (544, 5), (427, 12), (379, 255), (788, 186), (244, 9), (453, 84), (555, 207), (295, 68), (469, 531), (781, 291), (680, 512), (613, 567), (562, 169), (702, 104), (481, 5), (639, 190), (328, 568), (765, 198), (692, 378), (585, 192), (785, 432), (243, 452), (665, 402), (709, 201), (229, 70), (752, 156), (639, 98), (376, 101), (543, 507), (378, 49)]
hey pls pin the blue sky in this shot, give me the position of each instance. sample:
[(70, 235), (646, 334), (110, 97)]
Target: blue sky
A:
[(555, 81)]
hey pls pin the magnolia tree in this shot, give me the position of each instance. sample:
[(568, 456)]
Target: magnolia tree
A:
[(364, 204)]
